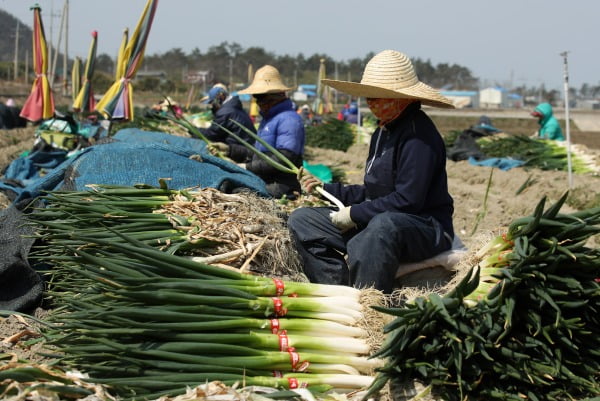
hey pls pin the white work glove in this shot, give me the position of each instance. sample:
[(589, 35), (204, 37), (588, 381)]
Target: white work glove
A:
[(308, 182), (214, 148), (342, 220)]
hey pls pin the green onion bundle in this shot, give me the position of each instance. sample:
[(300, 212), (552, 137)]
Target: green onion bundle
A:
[(131, 209), (521, 325), (215, 227), (149, 323), (539, 153)]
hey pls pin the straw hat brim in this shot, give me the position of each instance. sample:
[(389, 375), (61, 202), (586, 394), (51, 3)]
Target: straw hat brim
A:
[(262, 89), (420, 91)]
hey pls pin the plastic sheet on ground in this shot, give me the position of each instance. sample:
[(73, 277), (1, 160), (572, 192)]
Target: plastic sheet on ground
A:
[(142, 157), (503, 163)]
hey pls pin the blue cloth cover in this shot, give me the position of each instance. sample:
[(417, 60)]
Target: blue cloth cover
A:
[(503, 163), (137, 157)]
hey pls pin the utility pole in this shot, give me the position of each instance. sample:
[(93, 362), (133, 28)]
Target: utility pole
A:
[(566, 88), (17, 51), (50, 40), (295, 77), (26, 66), (56, 51), (66, 53), (336, 78)]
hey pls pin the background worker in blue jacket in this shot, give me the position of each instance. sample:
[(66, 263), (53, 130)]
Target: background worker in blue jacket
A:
[(281, 127), (403, 211), (226, 109), (549, 126)]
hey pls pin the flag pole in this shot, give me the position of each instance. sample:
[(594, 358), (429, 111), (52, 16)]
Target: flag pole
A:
[(567, 125)]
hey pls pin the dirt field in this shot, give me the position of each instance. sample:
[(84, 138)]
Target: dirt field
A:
[(467, 183)]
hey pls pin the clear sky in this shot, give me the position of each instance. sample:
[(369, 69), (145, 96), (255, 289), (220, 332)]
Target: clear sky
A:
[(500, 41)]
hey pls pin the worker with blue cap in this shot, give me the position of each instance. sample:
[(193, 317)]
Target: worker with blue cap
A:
[(227, 112)]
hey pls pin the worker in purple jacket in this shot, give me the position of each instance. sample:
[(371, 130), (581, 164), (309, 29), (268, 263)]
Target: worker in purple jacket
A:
[(403, 211)]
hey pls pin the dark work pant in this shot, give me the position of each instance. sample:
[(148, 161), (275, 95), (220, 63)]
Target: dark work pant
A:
[(374, 252)]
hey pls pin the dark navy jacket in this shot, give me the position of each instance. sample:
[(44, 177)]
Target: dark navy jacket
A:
[(405, 172), (231, 110)]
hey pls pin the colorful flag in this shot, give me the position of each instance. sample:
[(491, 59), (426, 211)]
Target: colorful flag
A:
[(117, 102), (40, 103)]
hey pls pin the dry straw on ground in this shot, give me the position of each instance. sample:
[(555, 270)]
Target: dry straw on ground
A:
[(248, 231)]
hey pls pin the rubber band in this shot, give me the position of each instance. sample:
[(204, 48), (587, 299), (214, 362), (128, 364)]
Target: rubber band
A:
[(297, 365), (278, 306), (284, 342), (279, 287), (294, 357), (277, 373), (292, 382), (302, 367), (275, 326)]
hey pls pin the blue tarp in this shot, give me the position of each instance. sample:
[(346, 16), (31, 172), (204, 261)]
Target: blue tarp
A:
[(136, 157), (503, 163)]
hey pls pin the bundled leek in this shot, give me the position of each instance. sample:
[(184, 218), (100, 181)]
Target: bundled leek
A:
[(150, 323), (544, 154), (522, 324), (217, 228)]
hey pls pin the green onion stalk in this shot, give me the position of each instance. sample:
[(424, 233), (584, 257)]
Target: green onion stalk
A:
[(179, 382), (185, 123)]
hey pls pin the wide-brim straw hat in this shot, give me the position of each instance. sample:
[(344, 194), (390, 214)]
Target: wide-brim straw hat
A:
[(266, 80), (390, 75), (168, 102)]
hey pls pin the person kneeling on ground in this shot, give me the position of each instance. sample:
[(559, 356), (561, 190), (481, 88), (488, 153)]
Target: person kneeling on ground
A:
[(403, 211)]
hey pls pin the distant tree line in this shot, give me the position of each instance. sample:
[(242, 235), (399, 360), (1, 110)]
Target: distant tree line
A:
[(229, 63)]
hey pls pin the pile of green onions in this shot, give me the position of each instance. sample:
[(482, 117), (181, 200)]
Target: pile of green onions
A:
[(544, 154), (202, 223), (521, 325), (149, 323), (131, 209)]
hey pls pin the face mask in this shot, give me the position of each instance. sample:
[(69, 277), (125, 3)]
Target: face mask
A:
[(386, 110)]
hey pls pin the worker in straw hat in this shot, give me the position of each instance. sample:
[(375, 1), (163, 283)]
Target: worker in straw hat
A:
[(403, 211), (281, 127), (228, 113)]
